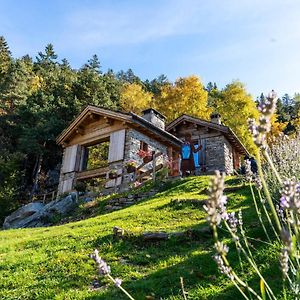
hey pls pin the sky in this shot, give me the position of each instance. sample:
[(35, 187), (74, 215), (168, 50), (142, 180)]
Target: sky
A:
[(254, 41)]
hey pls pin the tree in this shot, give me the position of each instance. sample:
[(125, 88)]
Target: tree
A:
[(128, 77), (154, 86), (49, 57), (186, 96), (134, 98), (236, 106), (94, 64), (5, 57)]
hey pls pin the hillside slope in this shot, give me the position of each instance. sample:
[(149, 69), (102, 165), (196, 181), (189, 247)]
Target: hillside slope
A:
[(53, 262)]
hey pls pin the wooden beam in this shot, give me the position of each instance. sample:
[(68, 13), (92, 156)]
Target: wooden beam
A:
[(92, 173), (108, 120), (148, 172), (79, 130)]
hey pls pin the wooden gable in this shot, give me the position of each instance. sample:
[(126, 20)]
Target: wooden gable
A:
[(92, 125), (196, 126)]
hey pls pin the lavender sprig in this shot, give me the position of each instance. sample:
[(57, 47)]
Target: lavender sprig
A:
[(259, 129), (216, 204), (104, 270)]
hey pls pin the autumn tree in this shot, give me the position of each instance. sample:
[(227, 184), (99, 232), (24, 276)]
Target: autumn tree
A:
[(186, 96), (236, 106), (134, 98)]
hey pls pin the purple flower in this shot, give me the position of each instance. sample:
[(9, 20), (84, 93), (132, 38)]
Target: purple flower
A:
[(226, 270), (290, 196), (103, 267), (216, 204), (118, 282), (283, 202), (233, 221)]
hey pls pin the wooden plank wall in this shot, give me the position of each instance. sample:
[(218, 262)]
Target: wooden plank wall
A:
[(95, 131), (116, 146)]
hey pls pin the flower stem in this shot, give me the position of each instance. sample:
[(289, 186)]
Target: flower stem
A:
[(267, 193), (120, 287)]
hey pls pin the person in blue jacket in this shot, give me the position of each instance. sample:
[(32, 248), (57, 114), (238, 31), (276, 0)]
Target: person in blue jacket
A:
[(187, 157)]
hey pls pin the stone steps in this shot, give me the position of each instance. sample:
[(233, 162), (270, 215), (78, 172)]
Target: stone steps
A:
[(125, 201)]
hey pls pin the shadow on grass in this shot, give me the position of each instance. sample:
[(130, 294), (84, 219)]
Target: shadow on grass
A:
[(201, 278)]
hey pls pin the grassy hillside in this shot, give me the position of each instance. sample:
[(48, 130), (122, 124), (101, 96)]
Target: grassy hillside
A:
[(53, 262)]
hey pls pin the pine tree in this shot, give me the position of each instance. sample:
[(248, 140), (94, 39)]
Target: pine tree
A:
[(5, 57)]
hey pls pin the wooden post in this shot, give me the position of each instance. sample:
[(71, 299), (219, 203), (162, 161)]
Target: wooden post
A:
[(44, 198)]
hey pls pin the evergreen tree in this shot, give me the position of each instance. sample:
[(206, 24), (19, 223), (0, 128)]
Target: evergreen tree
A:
[(5, 58)]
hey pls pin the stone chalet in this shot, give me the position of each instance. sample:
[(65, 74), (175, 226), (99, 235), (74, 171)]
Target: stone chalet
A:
[(124, 134)]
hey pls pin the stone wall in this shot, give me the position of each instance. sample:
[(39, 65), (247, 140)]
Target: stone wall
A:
[(132, 146), (228, 154), (219, 155), (215, 159)]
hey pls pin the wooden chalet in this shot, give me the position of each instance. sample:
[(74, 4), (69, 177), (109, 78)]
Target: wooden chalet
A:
[(221, 149), (116, 137)]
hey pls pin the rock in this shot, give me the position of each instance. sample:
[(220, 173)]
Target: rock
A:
[(52, 177), (87, 199), (155, 236), (22, 216), (151, 193), (118, 232), (37, 214), (108, 207), (62, 206), (112, 207)]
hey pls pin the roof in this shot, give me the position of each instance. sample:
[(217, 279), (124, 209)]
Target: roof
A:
[(136, 121), (227, 131)]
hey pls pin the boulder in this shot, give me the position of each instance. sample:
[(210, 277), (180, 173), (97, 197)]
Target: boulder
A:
[(62, 206), (20, 217), (37, 214)]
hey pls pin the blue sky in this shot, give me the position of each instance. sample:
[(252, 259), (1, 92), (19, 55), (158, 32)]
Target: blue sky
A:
[(255, 41)]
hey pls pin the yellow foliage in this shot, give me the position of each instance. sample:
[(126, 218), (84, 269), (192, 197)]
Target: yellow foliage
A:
[(134, 98), (236, 106), (277, 128), (296, 123), (36, 83), (186, 96)]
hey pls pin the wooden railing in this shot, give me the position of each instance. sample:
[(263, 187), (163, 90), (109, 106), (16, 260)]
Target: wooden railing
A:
[(151, 171), (92, 173), (46, 197)]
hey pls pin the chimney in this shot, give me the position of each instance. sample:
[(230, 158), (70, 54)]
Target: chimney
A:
[(154, 117), (215, 118)]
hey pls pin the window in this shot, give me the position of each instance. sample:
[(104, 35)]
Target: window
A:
[(144, 146), (95, 156)]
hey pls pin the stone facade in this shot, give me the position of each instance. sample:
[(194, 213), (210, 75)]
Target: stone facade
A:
[(215, 154), (228, 155), (132, 146), (219, 155)]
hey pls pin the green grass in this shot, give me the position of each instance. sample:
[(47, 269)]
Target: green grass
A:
[(53, 262)]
